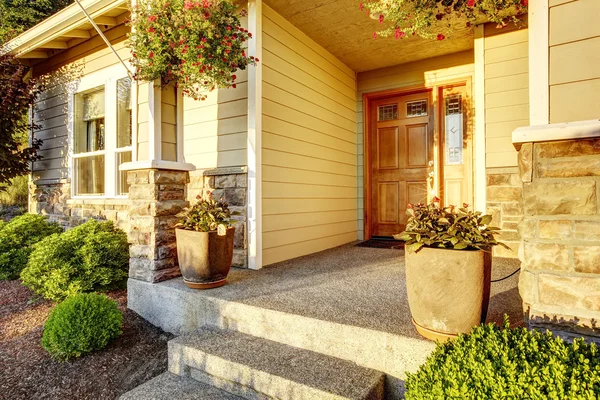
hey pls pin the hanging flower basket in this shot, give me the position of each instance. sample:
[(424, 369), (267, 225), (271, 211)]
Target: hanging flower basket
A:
[(436, 19), (197, 45)]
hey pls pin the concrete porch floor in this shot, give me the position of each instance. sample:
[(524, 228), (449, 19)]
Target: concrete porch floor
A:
[(349, 303), (350, 285)]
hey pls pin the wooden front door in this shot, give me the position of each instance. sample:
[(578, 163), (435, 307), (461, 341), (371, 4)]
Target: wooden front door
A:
[(401, 158)]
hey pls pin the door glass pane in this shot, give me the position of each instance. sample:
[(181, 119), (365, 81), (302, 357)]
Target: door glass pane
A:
[(124, 112), (454, 130), (89, 123), (89, 176), (122, 185)]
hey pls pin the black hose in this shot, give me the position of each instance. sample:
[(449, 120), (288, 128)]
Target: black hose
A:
[(506, 277)]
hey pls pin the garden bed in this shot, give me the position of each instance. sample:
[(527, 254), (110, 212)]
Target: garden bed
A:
[(27, 372)]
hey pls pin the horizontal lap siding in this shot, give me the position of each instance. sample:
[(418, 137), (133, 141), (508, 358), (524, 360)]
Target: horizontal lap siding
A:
[(574, 61), (51, 108), (506, 91), (421, 73), (216, 129), (309, 145)]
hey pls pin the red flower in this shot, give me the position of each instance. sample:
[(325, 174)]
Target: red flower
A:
[(374, 35), (465, 205), (471, 3), (361, 6), (152, 18), (233, 77), (524, 3), (441, 37), (381, 17), (399, 34), (151, 30), (234, 86), (151, 54), (188, 5), (435, 199)]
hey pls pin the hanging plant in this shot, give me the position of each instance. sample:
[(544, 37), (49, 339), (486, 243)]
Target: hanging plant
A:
[(436, 19), (198, 45)]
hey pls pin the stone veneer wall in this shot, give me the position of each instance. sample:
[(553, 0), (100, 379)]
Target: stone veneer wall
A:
[(53, 199), (504, 191), (230, 184), (560, 252)]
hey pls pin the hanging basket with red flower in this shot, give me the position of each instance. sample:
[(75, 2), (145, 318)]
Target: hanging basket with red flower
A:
[(197, 45), (438, 19)]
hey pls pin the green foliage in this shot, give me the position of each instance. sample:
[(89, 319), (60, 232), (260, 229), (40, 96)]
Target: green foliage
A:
[(436, 19), (16, 193), (197, 44), (16, 240), (448, 228), (17, 94), (91, 257), (81, 324), (206, 215), (495, 363), (20, 15)]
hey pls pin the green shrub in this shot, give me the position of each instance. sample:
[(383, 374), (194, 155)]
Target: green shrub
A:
[(495, 363), (81, 324), (91, 257), (16, 193), (16, 240)]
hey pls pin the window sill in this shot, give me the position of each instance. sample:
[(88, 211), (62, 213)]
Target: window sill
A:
[(98, 200)]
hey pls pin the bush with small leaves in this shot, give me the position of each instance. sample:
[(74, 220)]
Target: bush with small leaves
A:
[(81, 324), (16, 240), (504, 363), (91, 257)]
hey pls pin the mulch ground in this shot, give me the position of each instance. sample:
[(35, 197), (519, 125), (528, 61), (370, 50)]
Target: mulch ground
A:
[(28, 372)]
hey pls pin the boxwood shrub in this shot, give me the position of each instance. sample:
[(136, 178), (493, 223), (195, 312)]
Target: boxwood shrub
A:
[(16, 240), (91, 257), (81, 324), (503, 363)]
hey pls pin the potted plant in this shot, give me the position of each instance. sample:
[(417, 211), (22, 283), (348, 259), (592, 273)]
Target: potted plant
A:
[(205, 243), (195, 45), (448, 268)]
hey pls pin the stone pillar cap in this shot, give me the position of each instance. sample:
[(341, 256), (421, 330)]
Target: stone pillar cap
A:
[(554, 132), (157, 164)]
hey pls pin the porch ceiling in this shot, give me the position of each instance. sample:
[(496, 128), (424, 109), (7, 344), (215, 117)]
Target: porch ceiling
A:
[(346, 32)]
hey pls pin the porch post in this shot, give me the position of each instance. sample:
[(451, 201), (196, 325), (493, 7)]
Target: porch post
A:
[(158, 178), (254, 144)]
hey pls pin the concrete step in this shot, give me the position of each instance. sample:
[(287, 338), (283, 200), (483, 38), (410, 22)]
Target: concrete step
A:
[(168, 386), (255, 368), (180, 310)]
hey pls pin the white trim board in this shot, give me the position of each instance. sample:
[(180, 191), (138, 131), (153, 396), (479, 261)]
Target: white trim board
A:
[(539, 53), (480, 179), (254, 143), (554, 132)]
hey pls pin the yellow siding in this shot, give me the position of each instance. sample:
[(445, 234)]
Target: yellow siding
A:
[(51, 108), (216, 129), (168, 113), (574, 60), (309, 145), (428, 72), (506, 91)]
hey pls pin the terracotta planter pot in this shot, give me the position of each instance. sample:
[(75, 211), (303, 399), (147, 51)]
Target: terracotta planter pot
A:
[(448, 290), (204, 257)]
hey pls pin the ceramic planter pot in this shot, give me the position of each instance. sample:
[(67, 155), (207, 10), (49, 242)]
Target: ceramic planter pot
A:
[(448, 290), (204, 257)]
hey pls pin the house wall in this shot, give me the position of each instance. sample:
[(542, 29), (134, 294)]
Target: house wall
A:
[(423, 73), (50, 187), (506, 58), (574, 57), (309, 196)]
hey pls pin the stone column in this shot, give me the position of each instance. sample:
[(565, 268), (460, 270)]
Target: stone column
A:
[(156, 196), (560, 250)]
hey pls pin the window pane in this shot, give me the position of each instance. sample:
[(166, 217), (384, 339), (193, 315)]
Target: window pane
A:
[(454, 130), (122, 185), (89, 122), (89, 176), (124, 112)]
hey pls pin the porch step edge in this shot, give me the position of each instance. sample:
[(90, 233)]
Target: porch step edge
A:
[(168, 386), (256, 368)]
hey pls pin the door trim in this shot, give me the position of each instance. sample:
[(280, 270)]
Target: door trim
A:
[(368, 99)]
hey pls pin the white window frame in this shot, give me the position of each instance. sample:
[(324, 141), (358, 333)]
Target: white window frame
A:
[(107, 78)]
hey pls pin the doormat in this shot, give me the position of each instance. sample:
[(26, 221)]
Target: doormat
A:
[(382, 244)]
